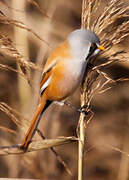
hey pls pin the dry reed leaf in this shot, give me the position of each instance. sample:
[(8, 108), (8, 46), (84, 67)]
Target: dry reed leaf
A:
[(36, 145)]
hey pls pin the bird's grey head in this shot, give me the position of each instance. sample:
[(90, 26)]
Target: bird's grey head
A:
[(84, 43)]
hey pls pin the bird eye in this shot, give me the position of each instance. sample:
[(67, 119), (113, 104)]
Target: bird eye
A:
[(93, 47)]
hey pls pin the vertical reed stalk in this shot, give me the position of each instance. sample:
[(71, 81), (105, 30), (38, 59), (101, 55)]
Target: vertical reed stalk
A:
[(81, 141), (85, 23), (21, 43)]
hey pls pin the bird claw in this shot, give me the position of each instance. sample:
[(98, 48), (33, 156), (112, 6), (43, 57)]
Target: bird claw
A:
[(82, 109)]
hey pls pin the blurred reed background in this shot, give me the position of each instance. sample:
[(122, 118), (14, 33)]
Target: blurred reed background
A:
[(53, 20)]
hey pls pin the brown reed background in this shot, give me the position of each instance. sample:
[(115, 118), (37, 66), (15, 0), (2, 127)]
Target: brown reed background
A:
[(46, 23)]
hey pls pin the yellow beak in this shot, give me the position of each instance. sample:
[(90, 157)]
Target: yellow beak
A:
[(101, 48)]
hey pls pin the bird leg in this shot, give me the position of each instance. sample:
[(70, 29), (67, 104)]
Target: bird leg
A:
[(81, 109)]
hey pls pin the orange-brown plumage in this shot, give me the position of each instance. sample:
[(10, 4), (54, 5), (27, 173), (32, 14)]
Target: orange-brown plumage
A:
[(58, 53), (32, 127), (52, 92)]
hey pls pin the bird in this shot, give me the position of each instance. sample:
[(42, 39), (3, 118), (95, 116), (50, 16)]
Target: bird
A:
[(63, 73)]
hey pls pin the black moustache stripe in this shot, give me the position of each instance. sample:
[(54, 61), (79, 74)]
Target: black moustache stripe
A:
[(91, 51)]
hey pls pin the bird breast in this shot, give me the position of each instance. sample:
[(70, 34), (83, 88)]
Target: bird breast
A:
[(72, 76), (66, 78)]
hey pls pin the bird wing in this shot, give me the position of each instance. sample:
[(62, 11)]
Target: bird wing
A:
[(62, 51), (47, 75)]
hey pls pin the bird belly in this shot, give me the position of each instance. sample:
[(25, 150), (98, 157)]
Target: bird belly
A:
[(66, 79)]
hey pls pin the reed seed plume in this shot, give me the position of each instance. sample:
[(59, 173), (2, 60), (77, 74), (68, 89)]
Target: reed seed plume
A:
[(88, 7), (7, 47), (112, 27)]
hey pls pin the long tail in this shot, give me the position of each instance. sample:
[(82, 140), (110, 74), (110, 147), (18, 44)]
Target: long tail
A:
[(36, 119)]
